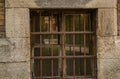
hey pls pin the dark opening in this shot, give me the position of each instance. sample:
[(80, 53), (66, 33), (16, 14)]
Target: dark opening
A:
[(63, 44)]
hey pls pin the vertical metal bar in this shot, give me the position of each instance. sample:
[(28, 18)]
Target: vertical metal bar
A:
[(32, 50), (40, 46), (94, 53), (33, 27), (88, 27), (34, 24), (89, 21), (63, 46), (60, 63), (80, 36), (84, 20), (73, 45), (51, 30)]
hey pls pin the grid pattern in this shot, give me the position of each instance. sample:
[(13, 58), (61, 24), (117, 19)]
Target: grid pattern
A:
[(2, 18), (63, 45)]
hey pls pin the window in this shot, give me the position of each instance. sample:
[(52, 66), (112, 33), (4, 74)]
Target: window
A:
[(118, 17), (63, 44), (2, 18)]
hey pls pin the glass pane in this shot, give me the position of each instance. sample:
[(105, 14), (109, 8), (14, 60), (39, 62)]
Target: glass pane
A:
[(52, 44), (89, 67), (79, 66), (51, 39), (36, 51), (79, 50), (88, 44), (55, 67), (46, 39), (35, 27), (36, 68), (46, 51), (69, 50), (88, 22), (69, 39), (79, 22), (56, 50), (46, 67), (69, 67), (45, 23), (55, 24), (79, 40), (36, 39), (69, 23)]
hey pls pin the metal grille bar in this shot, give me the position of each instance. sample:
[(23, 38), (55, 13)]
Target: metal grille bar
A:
[(63, 45)]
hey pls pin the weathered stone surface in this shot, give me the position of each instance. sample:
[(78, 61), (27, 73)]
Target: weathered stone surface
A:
[(20, 43), (17, 22), (21, 50), (108, 69), (14, 49), (2, 34), (19, 70), (107, 22), (61, 3), (107, 48)]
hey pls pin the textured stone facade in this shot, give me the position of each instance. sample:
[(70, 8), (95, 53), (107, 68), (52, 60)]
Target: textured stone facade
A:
[(15, 48)]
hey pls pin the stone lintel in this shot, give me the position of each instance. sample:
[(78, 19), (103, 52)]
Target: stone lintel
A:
[(62, 3)]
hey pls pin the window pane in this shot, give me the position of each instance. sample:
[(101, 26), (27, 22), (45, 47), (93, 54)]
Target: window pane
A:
[(46, 51), (46, 67), (79, 67), (69, 67), (36, 68), (69, 23), (45, 23), (69, 39), (36, 51)]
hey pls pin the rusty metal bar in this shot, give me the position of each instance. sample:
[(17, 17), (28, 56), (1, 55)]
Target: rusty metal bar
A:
[(55, 57), (51, 26), (73, 47), (63, 47), (62, 56), (49, 33), (84, 22), (40, 47)]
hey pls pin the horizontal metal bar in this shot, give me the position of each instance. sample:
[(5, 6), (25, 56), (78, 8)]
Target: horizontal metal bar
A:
[(57, 57), (86, 77), (47, 77), (43, 33), (45, 45)]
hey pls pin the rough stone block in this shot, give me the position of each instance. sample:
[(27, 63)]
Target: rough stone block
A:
[(107, 48), (107, 22), (17, 22), (61, 3), (108, 68), (19, 43), (14, 50), (20, 70)]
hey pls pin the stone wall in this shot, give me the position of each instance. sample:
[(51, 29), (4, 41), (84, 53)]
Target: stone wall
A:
[(15, 48)]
